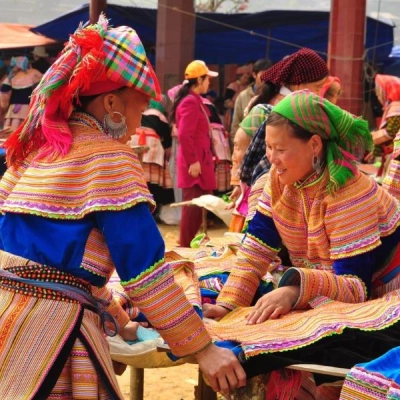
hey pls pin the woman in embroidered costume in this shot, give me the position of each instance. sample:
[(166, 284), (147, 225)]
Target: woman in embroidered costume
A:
[(155, 132), (16, 89), (304, 69), (388, 136), (75, 207), (340, 228), (387, 89)]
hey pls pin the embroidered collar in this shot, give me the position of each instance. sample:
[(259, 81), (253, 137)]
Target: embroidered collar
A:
[(79, 117), (311, 180)]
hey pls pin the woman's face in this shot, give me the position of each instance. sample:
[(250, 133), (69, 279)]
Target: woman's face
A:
[(131, 103), (240, 145), (204, 84), (291, 156)]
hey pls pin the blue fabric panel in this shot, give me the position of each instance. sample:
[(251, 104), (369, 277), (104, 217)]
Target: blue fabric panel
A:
[(263, 228), (133, 238)]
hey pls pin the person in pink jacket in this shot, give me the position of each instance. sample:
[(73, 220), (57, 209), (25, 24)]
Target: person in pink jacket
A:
[(195, 163)]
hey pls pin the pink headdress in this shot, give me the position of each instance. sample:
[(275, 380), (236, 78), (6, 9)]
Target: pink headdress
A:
[(97, 59), (328, 84)]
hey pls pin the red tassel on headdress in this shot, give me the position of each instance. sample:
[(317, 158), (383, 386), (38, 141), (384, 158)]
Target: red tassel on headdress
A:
[(46, 127)]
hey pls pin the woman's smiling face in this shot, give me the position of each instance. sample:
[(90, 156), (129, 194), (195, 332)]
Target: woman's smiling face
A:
[(291, 156)]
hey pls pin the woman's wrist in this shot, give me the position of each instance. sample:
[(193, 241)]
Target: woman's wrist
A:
[(198, 354)]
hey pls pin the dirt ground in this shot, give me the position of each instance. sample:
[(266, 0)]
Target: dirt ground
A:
[(174, 383)]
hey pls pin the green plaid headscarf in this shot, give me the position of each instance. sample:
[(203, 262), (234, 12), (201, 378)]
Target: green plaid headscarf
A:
[(257, 115), (347, 137)]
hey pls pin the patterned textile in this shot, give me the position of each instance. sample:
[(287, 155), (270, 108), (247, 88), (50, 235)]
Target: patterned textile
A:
[(210, 264), (134, 70), (395, 110), (22, 80), (388, 91), (260, 169), (223, 176), (58, 324), (347, 289), (300, 328), (304, 66), (109, 175), (254, 154), (257, 115), (255, 194), (88, 385), (355, 222), (362, 204), (33, 270), (160, 277), (347, 137), (28, 190), (391, 182), (393, 125), (376, 380), (154, 174), (15, 116), (96, 59), (184, 274), (148, 137), (15, 92)]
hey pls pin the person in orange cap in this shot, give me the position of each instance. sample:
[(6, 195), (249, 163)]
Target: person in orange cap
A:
[(195, 163)]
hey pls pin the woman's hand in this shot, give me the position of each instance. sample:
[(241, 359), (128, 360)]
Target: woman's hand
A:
[(221, 369), (278, 302), (195, 169), (213, 311), (236, 192), (129, 331)]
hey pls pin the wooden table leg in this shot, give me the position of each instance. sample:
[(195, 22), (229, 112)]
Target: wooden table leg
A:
[(136, 383), (204, 392)]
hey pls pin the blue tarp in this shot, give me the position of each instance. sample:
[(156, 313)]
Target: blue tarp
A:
[(220, 43)]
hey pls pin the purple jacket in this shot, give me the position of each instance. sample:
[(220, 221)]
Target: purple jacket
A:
[(194, 143)]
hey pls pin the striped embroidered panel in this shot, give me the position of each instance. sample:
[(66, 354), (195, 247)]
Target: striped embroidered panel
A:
[(98, 173)]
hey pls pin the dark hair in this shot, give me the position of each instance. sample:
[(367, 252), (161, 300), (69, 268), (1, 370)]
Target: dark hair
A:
[(261, 65), (267, 93), (275, 119), (182, 92), (84, 101)]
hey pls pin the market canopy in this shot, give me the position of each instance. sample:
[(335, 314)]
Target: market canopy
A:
[(235, 38), (14, 36)]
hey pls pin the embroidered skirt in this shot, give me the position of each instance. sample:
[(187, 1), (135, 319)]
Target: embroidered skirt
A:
[(51, 347)]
